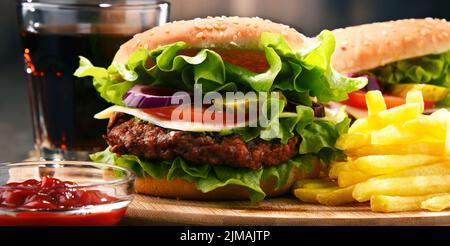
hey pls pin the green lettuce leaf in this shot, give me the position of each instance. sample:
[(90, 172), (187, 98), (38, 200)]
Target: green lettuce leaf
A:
[(429, 69), (298, 74), (206, 177)]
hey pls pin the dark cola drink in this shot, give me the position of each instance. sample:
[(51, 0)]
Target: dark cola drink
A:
[(62, 105)]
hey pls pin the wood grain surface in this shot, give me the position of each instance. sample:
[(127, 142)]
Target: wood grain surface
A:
[(147, 210)]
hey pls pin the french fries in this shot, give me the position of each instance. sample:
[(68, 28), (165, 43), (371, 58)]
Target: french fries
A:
[(384, 164), (313, 183), (437, 149), (351, 177), (307, 190), (310, 195), (397, 160), (337, 168), (382, 203), (442, 168), (436, 203), (376, 103), (405, 186), (336, 197), (352, 141)]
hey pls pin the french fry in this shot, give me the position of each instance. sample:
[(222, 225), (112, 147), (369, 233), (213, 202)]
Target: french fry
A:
[(351, 177), (313, 183), (382, 203), (426, 128), (405, 186), (310, 195), (437, 203), (400, 114), (389, 135), (415, 97), (336, 197), (384, 164), (362, 125), (442, 168), (401, 135), (375, 102), (398, 149), (394, 116), (336, 168), (352, 141)]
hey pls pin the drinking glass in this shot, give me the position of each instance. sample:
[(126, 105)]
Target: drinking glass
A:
[(54, 33)]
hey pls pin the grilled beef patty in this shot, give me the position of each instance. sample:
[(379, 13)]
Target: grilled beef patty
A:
[(127, 135)]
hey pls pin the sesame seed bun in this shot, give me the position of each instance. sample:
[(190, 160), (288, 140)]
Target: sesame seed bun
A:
[(212, 32), (365, 47)]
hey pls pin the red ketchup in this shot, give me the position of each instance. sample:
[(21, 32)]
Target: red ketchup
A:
[(18, 200)]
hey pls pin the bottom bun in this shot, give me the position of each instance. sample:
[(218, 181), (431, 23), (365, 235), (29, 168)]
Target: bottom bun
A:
[(182, 189)]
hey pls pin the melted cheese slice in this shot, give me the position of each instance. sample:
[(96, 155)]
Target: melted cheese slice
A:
[(169, 124)]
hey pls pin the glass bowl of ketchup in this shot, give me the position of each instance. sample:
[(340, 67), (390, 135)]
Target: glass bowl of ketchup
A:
[(64, 193)]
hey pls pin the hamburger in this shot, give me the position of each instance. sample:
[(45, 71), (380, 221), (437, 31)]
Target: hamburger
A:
[(186, 158), (397, 57)]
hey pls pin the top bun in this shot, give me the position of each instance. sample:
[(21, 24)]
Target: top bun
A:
[(364, 47), (212, 32)]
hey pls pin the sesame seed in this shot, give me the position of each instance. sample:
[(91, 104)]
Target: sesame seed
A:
[(199, 35), (136, 43), (424, 32), (352, 62), (384, 33), (234, 43), (221, 33), (434, 39)]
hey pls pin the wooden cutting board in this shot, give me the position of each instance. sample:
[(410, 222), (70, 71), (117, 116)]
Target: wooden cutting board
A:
[(146, 210)]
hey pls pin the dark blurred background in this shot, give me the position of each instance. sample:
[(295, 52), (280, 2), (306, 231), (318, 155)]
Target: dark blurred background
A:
[(308, 16)]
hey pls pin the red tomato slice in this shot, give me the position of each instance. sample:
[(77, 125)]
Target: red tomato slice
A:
[(358, 100)]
